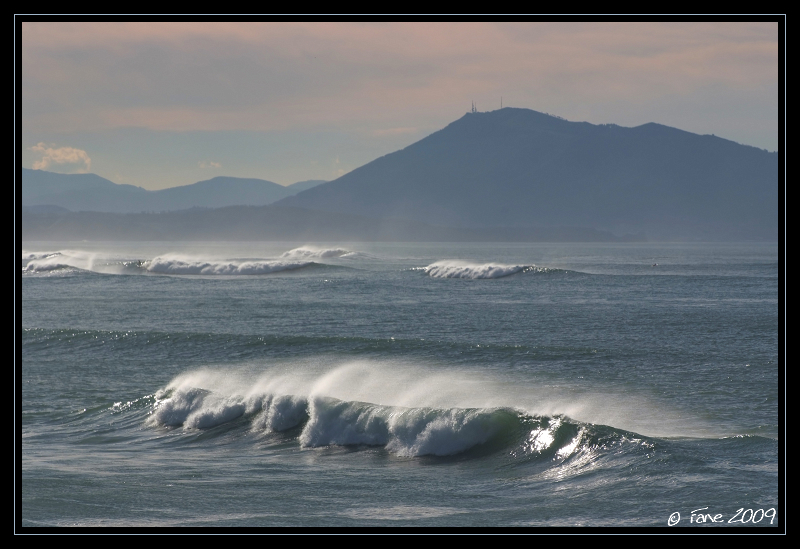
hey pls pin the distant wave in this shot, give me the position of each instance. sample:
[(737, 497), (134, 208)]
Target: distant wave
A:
[(179, 264), (73, 261), (28, 256), (44, 266), (309, 252), (41, 262), (171, 265), (176, 264), (465, 269)]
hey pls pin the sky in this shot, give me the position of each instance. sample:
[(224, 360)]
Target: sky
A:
[(159, 105)]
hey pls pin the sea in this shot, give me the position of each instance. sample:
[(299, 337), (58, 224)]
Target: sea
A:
[(307, 387)]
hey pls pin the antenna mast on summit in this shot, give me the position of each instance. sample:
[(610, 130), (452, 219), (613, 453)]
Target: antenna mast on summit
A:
[(473, 107)]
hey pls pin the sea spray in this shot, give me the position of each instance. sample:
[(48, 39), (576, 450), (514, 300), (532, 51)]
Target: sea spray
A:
[(465, 269), (183, 266), (310, 252), (401, 385), (28, 256), (207, 398)]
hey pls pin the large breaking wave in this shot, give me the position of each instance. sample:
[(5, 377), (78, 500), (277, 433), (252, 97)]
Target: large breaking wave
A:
[(327, 421), (205, 400)]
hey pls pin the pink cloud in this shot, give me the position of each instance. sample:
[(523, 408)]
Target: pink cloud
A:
[(265, 76)]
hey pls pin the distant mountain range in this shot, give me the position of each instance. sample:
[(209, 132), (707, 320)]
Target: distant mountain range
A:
[(90, 192), (510, 174), (521, 168)]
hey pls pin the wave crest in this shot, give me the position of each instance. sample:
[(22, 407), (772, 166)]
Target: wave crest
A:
[(369, 410), (28, 256), (328, 421), (44, 266), (171, 265), (308, 252), (465, 269)]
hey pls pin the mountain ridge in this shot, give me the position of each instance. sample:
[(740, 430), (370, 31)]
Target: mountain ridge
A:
[(519, 169), (91, 192), (522, 168)]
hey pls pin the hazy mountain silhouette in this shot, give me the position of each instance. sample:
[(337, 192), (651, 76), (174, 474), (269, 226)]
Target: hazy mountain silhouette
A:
[(90, 192), (304, 185), (521, 168)]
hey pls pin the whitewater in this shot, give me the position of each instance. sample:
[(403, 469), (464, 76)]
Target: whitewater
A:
[(424, 385)]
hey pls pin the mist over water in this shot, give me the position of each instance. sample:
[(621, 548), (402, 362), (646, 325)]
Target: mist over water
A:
[(390, 384)]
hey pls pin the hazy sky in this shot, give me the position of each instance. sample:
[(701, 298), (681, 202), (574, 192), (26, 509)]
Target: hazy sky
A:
[(165, 104)]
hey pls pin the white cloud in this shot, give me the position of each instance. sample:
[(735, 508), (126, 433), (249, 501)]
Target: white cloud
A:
[(208, 164), (61, 155)]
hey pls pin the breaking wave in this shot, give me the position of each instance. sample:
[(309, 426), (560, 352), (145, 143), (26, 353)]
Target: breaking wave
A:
[(44, 266), (328, 421), (318, 420), (172, 265), (465, 269), (309, 252), (29, 256), (175, 263), (42, 262)]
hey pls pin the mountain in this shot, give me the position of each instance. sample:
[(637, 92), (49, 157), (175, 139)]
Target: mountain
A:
[(219, 192), (90, 192), (510, 174), (305, 185), (78, 191), (521, 168)]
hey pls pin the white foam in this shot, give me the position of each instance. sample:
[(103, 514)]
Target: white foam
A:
[(188, 402), (44, 266), (344, 423), (310, 252), (281, 413), (215, 411), (77, 259), (175, 409), (49, 261), (465, 269), (196, 409), (187, 266), (452, 432), (28, 256), (403, 431)]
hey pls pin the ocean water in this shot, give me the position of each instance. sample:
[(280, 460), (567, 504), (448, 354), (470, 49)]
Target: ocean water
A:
[(391, 384)]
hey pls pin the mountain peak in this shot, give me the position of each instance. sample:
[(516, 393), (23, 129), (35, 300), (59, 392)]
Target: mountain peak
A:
[(523, 168)]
